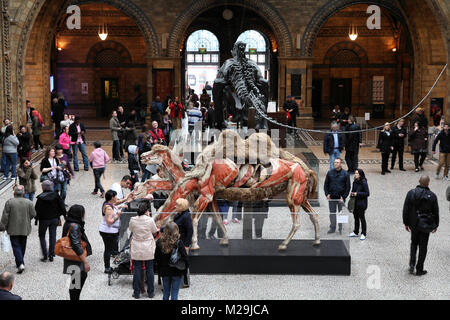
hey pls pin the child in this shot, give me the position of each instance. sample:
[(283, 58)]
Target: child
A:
[(133, 164), (98, 160)]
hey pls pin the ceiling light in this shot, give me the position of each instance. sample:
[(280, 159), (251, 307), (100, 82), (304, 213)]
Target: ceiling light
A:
[(353, 32), (103, 32)]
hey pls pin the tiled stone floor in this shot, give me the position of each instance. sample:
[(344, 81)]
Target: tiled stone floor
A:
[(386, 248)]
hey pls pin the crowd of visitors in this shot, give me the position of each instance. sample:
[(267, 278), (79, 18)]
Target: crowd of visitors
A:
[(166, 250)]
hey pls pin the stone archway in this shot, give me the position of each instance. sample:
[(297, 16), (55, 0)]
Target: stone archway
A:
[(273, 18), (105, 45), (42, 44), (334, 6)]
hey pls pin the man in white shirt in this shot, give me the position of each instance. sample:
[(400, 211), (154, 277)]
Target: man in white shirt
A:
[(118, 187)]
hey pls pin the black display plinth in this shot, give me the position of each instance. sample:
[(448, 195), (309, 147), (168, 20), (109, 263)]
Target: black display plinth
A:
[(262, 257)]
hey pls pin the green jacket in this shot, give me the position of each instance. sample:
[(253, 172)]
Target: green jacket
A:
[(17, 216), (36, 127), (27, 178)]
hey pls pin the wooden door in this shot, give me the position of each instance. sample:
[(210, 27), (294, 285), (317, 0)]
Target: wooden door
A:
[(341, 93), (163, 80), (316, 97)]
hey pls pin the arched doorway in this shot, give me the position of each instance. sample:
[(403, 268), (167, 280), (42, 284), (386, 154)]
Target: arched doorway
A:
[(42, 66), (371, 74), (228, 23), (201, 59)]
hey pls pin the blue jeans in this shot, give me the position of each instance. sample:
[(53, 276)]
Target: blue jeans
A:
[(137, 272), (97, 175), (82, 148), (171, 287), (146, 175), (11, 161), (50, 224), (3, 163), (61, 188), (335, 154), (29, 196), (19, 245)]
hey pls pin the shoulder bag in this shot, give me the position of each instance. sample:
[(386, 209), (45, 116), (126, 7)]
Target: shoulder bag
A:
[(175, 260), (63, 248), (351, 204), (425, 220)]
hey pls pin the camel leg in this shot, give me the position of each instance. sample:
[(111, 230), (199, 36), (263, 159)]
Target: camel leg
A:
[(314, 217), (218, 218), (295, 215), (195, 218)]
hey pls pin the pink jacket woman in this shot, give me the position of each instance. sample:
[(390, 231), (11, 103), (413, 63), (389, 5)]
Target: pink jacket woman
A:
[(64, 141)]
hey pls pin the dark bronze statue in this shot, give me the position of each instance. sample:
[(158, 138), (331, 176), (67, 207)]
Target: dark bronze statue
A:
[(240, 86)]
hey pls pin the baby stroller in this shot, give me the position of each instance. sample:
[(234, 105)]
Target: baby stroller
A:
[(122, 261)]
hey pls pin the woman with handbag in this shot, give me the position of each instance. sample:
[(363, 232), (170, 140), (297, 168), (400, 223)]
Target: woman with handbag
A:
[(78, 269), (49, 165), (172, 260), (142, 249), (358, 195)]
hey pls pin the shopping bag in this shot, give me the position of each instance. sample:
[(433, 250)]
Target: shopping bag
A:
[(6, 242)]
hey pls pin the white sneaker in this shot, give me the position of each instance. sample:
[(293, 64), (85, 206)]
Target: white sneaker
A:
[(446, 179), (21, 269), (352, 235), (363, 237), (436, 175)]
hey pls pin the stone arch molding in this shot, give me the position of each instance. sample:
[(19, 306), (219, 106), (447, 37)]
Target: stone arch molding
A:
[(126, 6), (334, 6), (346, 45), (110, 44), (193, 10), (136, 14)]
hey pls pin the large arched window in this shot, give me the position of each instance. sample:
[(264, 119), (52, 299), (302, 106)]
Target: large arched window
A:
[(256, 49), (202, 59)]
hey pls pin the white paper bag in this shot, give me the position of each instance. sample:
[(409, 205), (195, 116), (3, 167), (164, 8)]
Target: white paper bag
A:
[(6, 243)]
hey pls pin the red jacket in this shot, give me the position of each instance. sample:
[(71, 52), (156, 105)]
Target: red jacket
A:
[(159, 134), (172, 110)]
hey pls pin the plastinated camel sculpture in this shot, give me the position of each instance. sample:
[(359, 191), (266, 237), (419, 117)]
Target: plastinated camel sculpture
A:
[(265, 172)]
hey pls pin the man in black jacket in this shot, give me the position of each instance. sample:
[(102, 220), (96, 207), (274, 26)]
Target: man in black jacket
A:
[(6, 285), (352, 144), (444, 151), (49, 207), (76, 133), (333, 143), (337, 189), (399, 134), (420, 201)]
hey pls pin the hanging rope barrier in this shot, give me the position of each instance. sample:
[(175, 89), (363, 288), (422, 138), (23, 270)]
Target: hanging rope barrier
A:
[(265, 116)]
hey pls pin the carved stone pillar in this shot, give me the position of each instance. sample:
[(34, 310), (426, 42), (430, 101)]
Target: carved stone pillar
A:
[(5, 70)]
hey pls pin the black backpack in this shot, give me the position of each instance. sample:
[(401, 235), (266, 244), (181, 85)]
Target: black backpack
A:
[(425, 220)]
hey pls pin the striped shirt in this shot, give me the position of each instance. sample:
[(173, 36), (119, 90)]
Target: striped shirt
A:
[(194, 115)]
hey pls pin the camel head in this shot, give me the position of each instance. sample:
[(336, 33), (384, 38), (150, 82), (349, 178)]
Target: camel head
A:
[(140, 190), (155, 156)]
